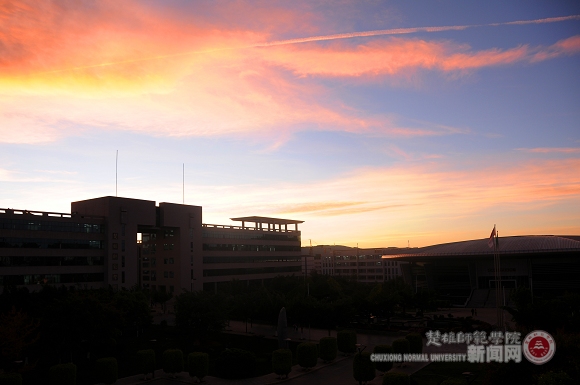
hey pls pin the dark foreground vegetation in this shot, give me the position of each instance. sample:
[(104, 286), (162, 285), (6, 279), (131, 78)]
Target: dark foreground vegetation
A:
[(55, 335)]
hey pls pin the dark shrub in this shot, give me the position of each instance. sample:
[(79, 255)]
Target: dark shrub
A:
[(454, 381), (236, 364), (198, 365), (106, 370), (328, 348), (558, 378), (415, 343), (383, 366), (10, 379), (346, 340), (173, 361), (146, 361), (63, 374), (396, 379), (307, 354), (363, 369), (282, 361), (401, 346)]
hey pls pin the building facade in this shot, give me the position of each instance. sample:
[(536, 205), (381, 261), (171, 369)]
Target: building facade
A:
[(128, 243), (38, 248), (253, 254), (364, 265), (463, 273)]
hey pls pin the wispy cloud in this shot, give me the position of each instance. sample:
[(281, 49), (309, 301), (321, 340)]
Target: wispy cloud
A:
[(408, 197)]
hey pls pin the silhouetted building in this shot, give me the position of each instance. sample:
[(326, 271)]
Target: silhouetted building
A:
[(126, 242), (464, 273), (364, 265)]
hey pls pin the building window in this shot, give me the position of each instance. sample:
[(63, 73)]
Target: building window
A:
[(115, 246), (115, 256), (115, 266), (123, 230), (122, 261), (122, 277), (153, 262), (123, 245), (166, 274), (171, 274), (115, 235), (171, 289), (165, 260), (171, 261), (115, 277), (153, 275)]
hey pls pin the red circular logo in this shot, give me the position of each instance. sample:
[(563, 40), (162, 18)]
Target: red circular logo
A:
[(539, 347)]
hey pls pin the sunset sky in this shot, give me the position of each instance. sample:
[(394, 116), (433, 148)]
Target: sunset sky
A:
[(365, 119)]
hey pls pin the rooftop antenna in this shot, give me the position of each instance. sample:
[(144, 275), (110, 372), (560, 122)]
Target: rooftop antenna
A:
[(183, 183), (116, 164)]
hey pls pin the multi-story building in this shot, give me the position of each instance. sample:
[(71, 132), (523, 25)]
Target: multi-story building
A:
[(250, 253), (364, 265), (38, 248), (126, 242)]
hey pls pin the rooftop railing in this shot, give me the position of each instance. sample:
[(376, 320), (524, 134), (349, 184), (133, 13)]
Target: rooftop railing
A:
[(47, 214)]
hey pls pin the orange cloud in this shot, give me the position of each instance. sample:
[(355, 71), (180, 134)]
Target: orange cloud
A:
[(397, 55), (427, 202), (65, 65)]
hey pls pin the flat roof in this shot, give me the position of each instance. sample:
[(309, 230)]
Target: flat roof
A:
[(276, 221)]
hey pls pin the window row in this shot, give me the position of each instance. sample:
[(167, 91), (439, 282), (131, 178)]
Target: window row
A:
[(35, 243), (38, 225), (47, 279), (249, 235), (51, 261), (236, 259), (244, 271), (236, 247)]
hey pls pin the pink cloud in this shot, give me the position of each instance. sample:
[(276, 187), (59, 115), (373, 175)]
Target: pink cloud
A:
[(130, 67), (547, 150)]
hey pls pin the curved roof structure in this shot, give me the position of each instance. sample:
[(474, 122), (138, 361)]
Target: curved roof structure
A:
[(507, 245)]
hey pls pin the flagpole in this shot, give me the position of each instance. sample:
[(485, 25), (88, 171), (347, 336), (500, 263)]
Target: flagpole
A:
[(496, 271), (499, 274), (497, 281)]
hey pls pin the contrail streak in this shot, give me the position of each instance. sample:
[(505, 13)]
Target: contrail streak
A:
[(350, 35), (403, 31)]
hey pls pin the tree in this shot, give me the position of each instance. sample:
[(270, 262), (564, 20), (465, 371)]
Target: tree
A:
[(17, 333), (200, 314)]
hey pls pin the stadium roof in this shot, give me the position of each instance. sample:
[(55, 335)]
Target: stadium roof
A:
[(507, 245)]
